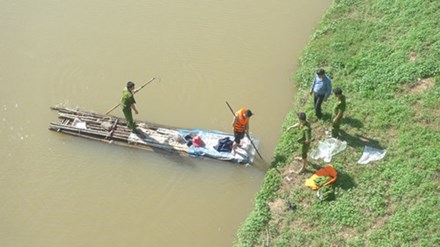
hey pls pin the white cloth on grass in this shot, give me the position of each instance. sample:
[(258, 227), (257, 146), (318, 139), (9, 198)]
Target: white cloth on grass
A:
[(327, 149), (371, 154)]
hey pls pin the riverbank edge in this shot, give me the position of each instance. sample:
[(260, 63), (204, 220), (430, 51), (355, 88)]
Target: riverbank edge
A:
[(386, 61)]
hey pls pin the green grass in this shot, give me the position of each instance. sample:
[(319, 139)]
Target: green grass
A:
[(376, 51)]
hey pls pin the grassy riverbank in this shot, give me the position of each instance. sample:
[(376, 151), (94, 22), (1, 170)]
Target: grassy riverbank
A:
[(385, 55)]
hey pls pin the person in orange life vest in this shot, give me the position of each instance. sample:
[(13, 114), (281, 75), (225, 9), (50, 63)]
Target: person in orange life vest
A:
[(240, 125)]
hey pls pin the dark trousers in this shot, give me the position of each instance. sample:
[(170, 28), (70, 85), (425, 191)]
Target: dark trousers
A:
[(238, 136), (318, 99)]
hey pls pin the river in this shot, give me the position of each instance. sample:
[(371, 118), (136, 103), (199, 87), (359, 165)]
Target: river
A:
[(59, 190)]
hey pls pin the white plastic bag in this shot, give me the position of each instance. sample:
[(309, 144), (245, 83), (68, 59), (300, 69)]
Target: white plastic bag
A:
[(328, 148), (371, 154)]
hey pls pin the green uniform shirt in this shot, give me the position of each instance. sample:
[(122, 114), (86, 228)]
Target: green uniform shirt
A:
[(306, 133), (127, 99), (340, 105)]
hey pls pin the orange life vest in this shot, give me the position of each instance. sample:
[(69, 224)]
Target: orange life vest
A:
[(241, 120)]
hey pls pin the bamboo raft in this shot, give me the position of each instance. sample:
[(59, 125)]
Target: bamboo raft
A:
[(149, 136)]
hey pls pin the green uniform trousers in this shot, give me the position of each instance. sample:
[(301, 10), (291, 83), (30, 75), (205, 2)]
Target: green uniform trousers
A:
[(336, 127), (304, 150), (129, 117)]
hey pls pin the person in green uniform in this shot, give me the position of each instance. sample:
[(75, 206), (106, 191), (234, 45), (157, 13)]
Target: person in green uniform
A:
[(338, 112), (305, 139), (128, 103)]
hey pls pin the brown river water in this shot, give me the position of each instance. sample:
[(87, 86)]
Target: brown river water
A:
[(58, 190)]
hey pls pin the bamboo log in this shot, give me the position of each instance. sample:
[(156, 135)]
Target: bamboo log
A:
[(100, 116), (94, 125), (119, 131), (91, 134), (112, 129)]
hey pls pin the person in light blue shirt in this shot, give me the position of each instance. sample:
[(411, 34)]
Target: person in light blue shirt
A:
[(321, 89)]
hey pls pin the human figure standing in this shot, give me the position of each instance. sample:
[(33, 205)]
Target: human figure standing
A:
[(338, 112), (240, 125), (321, 89), (305, 139), (128, 103)]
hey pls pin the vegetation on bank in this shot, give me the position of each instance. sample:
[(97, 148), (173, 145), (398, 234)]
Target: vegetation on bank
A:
[(385, 55)]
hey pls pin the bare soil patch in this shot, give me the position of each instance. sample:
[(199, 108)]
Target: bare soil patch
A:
[(278, 206), (420, 86), (412, 56)]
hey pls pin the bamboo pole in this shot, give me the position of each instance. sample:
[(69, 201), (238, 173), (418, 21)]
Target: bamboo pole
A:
[(135, 91)]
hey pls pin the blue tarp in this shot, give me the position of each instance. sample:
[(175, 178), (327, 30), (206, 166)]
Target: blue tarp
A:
[(244, 154)]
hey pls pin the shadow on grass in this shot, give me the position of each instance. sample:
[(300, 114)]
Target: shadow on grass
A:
[(353, 122), (278, 160), (326, 117), (344, 180), (359, 141)]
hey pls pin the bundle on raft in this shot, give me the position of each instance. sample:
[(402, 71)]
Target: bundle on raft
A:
[(152, 137)]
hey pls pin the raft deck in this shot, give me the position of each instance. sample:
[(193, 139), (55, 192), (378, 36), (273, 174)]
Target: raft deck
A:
[(149, 136)]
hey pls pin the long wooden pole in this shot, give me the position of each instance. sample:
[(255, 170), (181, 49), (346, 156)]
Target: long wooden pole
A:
[(247, 134), (135, 91)]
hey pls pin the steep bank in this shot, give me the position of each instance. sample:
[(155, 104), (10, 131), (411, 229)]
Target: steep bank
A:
[(385, 56)]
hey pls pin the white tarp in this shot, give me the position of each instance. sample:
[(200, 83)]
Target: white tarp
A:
[(328, 148), (371, 154), (77, 123)]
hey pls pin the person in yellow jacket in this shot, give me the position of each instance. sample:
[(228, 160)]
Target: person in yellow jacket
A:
[(240, 125)]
